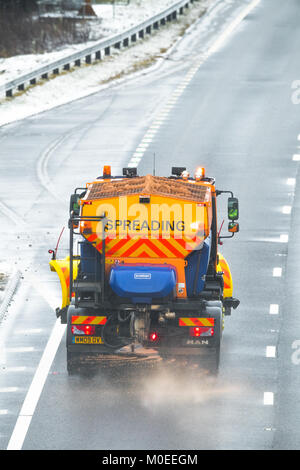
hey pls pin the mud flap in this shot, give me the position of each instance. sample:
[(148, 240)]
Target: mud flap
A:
[(205, 357)]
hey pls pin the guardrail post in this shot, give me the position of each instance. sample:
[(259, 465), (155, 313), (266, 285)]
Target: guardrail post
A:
[(77, 63), (163, 21), (21, 87), (156, 25), (98, 55), (141, 33), (126, 42), (117, 45), (32, 81), (66, 67), (148, 30), (88, 59), (9, 93), (133, 37), (56, 72), (107, 51), (45, 76)]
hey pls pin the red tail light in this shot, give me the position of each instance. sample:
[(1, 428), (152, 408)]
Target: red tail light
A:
[(83, 329), (153, 336), (197, 331)]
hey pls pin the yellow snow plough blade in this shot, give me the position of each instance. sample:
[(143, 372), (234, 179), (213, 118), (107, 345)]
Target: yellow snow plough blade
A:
[(224, 268), (62, 268)]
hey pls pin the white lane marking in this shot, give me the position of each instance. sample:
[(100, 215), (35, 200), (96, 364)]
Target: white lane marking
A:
[(291, 181), (142, 147), (268, 398), (21, 428), (274, 309), (225, 35), (15, 369), (271, 351), (42, 165), (191, 74), (29, 331), (286, 209), (284, 238), (150, 134), (277, 272), (160, 120), (19, 433), (164, 114), (3, 412), (296, 157), (9, 389), (138, 154), (20, 349)]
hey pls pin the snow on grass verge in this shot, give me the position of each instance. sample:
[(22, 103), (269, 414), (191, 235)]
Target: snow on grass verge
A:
[(5, 271), (89, 79)]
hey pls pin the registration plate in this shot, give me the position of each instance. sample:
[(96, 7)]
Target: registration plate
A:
[(87, 340)]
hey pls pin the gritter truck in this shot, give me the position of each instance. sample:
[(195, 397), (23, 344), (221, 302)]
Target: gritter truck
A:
[(144, 269)]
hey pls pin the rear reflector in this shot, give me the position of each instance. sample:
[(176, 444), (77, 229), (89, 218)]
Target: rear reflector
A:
[(88, 320), (196, 321)]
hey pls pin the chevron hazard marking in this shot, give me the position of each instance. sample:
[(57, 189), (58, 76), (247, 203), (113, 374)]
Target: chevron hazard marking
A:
[(196, 321)]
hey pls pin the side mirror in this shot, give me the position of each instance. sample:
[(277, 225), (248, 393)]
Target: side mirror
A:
[(233, 227), (233, 208), (74, 204)]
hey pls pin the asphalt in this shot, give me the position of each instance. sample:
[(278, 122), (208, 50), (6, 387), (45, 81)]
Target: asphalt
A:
[(236, 118)]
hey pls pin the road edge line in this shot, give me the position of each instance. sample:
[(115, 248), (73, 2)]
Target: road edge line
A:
[(31, 400)]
